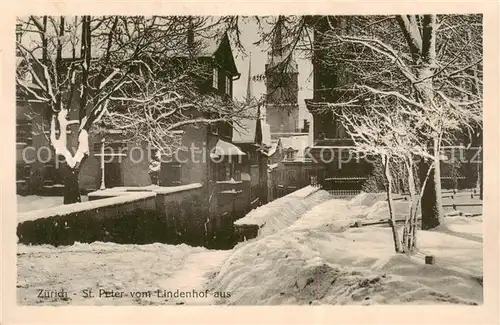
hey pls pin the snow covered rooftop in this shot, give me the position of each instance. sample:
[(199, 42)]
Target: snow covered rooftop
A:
[(297, 143), (223, 148)]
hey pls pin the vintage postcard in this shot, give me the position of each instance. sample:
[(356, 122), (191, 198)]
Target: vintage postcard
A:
[(203, 162)]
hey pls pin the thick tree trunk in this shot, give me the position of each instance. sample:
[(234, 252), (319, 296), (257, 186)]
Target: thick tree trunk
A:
[(421, 39), (71, 185), (431, 205)]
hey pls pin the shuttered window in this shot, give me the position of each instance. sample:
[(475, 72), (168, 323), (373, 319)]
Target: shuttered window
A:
[(228, 85), (215, 81)]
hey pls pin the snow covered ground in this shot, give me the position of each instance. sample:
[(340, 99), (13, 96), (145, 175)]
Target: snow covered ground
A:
[(319, 259), (310, 257), (35, 202), (160, 273)]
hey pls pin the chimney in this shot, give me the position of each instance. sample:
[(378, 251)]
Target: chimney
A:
[(306, 126), (249, 82)]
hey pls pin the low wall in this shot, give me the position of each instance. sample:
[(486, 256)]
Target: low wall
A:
[(249, 226), (121, 219), (185, 212), (122, 215)]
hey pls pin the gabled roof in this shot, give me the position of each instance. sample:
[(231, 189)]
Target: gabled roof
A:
[(297, 143), (224, 42), (207, 45)]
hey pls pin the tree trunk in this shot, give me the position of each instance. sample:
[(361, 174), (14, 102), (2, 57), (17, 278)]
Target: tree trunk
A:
[(431, 205), (411, 224), (421, 39), (71, 185), (481, 179), (392, 219)]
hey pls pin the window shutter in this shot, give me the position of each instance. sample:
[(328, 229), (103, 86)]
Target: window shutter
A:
[(215, 81)]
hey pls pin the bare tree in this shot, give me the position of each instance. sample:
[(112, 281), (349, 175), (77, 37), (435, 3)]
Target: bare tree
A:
[(137, 74), (427, 62), (367, 128), (431, 64), (385, 126)]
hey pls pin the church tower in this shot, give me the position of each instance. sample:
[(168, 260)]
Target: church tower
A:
[(281, 71)]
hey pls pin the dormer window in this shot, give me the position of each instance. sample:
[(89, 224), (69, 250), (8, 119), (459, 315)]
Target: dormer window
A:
[(290, 154), (228, 85), (215, 81)]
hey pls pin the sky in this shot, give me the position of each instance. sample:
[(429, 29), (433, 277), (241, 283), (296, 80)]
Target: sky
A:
[(249, 35)]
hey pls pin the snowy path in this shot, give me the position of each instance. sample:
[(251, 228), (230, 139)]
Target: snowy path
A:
[(113, 274), (194, 275)]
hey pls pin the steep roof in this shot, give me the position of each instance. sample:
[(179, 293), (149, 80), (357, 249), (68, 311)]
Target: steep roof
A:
[(207, 44), (266, 133)]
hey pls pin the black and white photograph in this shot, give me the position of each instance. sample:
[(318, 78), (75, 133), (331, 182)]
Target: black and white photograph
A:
[(249, 160)]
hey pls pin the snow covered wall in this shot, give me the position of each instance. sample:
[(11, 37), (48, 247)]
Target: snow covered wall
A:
[(279, 214), (121, 215)]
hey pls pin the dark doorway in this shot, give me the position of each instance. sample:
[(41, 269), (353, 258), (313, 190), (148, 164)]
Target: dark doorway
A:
[(113, 174), (170, 174)]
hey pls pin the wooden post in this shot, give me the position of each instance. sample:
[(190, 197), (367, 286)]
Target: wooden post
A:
[(103, 183), (429, 259), (480, 174)]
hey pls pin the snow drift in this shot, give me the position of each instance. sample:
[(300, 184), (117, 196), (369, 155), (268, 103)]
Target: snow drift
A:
[(318, 259), (282, 212)]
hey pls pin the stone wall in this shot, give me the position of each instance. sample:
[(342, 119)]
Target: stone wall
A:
[(123, 215), (122, 219)]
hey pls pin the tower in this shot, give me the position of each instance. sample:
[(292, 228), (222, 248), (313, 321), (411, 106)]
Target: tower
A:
[(281, 71), (249, 96)]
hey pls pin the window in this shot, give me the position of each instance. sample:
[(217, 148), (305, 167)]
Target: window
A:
[(23, 172), (228, 85), (289, 155), (237, 173), (215, 81), (23, 133)]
